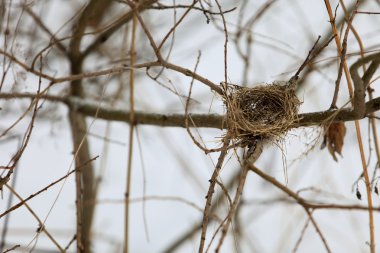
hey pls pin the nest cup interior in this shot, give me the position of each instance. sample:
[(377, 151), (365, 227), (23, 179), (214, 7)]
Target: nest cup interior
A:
[(261, 112)]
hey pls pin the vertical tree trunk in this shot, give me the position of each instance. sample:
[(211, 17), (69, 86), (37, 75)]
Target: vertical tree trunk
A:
[(85, 176)]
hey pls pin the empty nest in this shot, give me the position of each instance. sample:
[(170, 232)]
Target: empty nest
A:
[(263, 112)]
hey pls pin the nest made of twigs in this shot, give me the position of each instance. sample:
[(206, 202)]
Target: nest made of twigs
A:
[(262, 112)]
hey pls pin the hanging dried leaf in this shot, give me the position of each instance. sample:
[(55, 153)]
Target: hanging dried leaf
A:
[(334, 139), (358, 194)]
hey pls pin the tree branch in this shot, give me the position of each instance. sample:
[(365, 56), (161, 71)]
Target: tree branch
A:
[(212, 120), (201, 120)]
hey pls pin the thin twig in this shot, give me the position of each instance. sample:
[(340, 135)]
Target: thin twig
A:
[(41, 24), (175, 244), (318, 230), (115, 26), (12, 249), (166, 64), (341, 64), (40, 222), (5, 224), (70, 242), (15, 159), (293, 195), (367, 12), (308, 58), (131, 132), (358, 105), (330, 34), (371, 116), (172, 30), (251, 158), (21, 203), (160, 6), (225, 41), (233, 207), (187, 116), (298, 243), (211, 189), (114, 70)]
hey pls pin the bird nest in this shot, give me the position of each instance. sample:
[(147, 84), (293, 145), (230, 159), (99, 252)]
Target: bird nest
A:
[(264, 112)]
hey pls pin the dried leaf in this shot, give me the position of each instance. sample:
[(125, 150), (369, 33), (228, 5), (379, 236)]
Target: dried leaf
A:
[(358, 194), (334, 139), (376, 190)]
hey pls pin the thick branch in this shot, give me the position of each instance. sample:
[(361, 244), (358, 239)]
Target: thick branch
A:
[(211, 120), (200, 120)]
